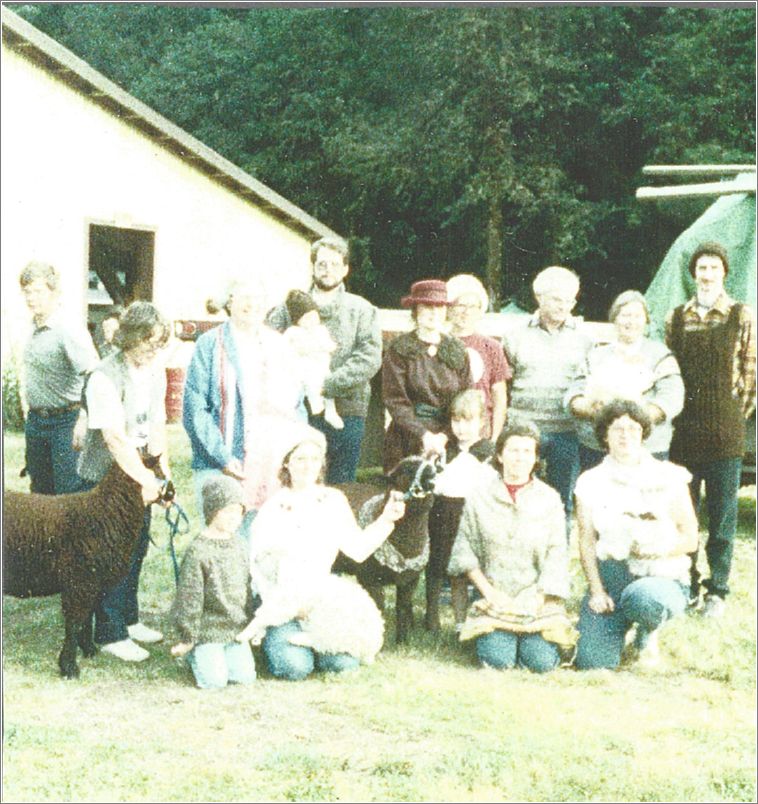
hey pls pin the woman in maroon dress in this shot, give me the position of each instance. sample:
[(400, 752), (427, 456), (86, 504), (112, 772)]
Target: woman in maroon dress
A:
[(422, 371)]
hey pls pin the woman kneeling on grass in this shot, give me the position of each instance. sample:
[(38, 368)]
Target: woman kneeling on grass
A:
[(511, 543), (310, 619), (636, 528)]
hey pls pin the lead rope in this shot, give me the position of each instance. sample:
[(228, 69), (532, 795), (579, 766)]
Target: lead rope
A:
[(178, 520)]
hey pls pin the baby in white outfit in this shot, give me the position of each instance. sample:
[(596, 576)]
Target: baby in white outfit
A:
[(311, 342)]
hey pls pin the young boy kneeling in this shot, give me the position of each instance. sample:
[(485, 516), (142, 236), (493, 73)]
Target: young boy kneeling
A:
[(214, 598)]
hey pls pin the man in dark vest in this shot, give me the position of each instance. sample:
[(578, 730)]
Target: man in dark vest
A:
[(713, 338)]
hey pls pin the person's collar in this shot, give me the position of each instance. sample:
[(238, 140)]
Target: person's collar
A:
[(570, 323), (722, 304), (55, 319)]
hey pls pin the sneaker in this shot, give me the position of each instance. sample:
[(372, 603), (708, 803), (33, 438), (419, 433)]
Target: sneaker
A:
[(650, 655), (141, 633), (126, 650), (714, 607)]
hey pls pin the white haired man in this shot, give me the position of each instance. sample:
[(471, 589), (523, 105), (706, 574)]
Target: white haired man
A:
[(546, 353)]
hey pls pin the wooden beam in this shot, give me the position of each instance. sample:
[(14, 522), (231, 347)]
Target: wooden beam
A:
[(696, 170), (694, 190)]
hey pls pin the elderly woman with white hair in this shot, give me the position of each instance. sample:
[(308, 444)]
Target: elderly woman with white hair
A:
[(489, 368), (628, 366), (240, 395)]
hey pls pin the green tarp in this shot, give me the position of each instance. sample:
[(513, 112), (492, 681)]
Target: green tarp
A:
[(729, 221)]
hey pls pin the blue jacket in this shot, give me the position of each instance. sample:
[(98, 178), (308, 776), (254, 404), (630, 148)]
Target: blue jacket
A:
[(202, 406)]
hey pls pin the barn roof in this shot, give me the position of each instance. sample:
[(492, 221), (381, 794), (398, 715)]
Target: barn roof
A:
[(51, 56)]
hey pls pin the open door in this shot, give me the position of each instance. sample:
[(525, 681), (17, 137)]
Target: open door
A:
[(121, 266)]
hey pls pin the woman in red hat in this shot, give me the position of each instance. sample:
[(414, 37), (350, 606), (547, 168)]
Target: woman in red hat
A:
[(422, 371)]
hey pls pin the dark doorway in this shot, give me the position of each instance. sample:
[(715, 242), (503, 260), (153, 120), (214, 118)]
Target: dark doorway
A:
[(120, 264)]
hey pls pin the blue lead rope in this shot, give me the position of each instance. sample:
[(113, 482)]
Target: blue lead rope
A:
[(175, 524)]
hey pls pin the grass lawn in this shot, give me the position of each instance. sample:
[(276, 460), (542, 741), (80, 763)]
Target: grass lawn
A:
[(423, 723)]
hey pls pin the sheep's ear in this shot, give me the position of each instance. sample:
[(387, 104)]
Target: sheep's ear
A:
[(151, 461)]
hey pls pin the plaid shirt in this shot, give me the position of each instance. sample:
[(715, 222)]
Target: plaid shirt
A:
[(743, 365)]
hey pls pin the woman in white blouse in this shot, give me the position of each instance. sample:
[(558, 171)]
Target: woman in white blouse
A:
[(310, 619), (637, 528)]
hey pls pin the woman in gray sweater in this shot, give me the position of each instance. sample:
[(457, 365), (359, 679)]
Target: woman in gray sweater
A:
[(511, 543)]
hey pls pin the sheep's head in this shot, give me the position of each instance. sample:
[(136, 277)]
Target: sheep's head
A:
[(153, 462), (414, 476)]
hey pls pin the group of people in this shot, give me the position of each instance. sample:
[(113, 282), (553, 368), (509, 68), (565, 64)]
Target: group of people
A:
[(546, 424)]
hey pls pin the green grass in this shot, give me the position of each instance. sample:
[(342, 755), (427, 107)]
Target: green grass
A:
[(423, 723)]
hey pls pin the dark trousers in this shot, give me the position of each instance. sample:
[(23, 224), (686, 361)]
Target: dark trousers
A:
[(118, 607), (559, 452), (722, 482), (50, 458), (343, 447)]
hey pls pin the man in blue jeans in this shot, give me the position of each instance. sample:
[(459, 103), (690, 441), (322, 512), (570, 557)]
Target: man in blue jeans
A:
[(56, 359), (713, 340), (353, 324), (546, 353)]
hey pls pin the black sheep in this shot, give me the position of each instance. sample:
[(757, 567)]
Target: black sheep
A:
[(400, 561), (78, 545)]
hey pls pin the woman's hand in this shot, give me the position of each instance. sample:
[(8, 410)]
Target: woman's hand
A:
[(152, 489), (80, 433), (498, 599), (235, 469), (253, 632), (433, 443), (601, 602), (182, 648), (394, 508)]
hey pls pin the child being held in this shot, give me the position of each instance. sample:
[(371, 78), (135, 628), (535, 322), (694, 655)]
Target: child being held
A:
[(214, 597), (467, 465), (312, 343)]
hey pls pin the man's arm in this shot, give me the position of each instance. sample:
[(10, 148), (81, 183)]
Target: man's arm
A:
[(745, 370), (365, 356)]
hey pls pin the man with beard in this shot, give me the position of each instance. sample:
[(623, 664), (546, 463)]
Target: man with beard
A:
[(353, 324)]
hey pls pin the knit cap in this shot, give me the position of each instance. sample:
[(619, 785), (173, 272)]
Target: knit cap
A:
[(298, 303), (218, 492)]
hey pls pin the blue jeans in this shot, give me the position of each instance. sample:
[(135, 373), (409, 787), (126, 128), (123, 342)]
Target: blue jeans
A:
[(216, 664), (722, 482), (560, 454), (296, 662), (50, 458), (503, 650), (649, 602), (118, 607), (343, 447), (590, 458)]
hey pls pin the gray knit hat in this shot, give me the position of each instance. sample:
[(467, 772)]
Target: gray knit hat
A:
[(218, 492)]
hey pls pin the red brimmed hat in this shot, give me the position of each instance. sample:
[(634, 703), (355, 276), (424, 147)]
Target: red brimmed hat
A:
[(428, 291)]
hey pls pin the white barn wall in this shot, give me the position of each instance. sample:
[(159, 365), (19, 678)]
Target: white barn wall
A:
[(67, 163)]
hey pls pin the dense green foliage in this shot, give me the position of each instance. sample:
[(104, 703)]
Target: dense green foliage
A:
[(494, 140)]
